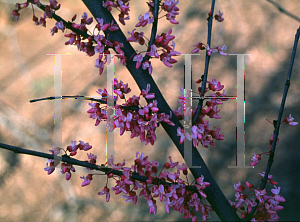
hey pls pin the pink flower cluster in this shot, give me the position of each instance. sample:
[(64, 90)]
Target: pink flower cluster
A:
[(268, 204), (217, 17), (160, 41), (102, 44), (209, 51), (170, 7), (66, 168), (289, 120), (49, 10), (177, 194), (121, 6), (200, 131), (130, 116), (180, 196)]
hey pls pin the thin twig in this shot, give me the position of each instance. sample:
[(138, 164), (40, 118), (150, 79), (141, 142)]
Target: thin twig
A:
[(154, 28), (283, 10), (66, 97), (73, 161), (68, 25), (207, 58), (276, 131), (85, 98)]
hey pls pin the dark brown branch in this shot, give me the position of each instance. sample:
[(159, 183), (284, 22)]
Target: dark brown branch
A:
[(154, 28), (283, 10), (214, 194), (66, 97), (85, 98), (207, 58), (276, 131), (73, 161)]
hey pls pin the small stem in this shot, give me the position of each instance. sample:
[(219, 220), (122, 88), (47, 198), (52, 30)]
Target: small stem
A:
[(276, 131), (154, 29), (85, 98), (207, 58)]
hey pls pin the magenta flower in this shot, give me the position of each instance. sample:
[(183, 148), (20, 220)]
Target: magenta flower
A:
[(106, 192), (290, 120), (218, 17), (87, 180), (214, 85), (153, 52), (138, 58), (255, 159), (144, 20)]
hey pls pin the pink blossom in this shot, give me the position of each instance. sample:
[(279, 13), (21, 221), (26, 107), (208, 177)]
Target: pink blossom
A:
[(171, 8), (289, 120), (259, 194), (50, 169), (87, 180), (136, 37), (147, 65), (153, 52), (198, 46), (218, 17), (255, 159), (214, 85), (106, 192), (138, 58)]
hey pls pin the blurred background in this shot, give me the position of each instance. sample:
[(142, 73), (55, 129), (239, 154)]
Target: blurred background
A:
[(27, 193)]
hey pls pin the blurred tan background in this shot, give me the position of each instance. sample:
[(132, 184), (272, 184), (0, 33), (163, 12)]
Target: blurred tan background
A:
[(27, 193)]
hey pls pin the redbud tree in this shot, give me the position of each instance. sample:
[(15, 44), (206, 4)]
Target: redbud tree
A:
[(138, 116)]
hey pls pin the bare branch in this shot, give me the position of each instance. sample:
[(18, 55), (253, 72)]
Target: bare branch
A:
[(154, 28), (207, 58), (276, 131), (283, 10)]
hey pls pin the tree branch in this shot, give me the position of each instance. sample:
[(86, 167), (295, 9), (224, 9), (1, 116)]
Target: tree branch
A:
[(85, 98), (283, 10), (214, 194), (276, 131), (73, 161), (154, 28), (207, 58)]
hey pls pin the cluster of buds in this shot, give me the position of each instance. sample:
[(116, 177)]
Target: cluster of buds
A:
[(161, 41), (66, 168), (217, 17), (177, 194), (130, 116), (200, 131), (209, 51), (121, 6), (103, 44), (49, 10), (268, 204)]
